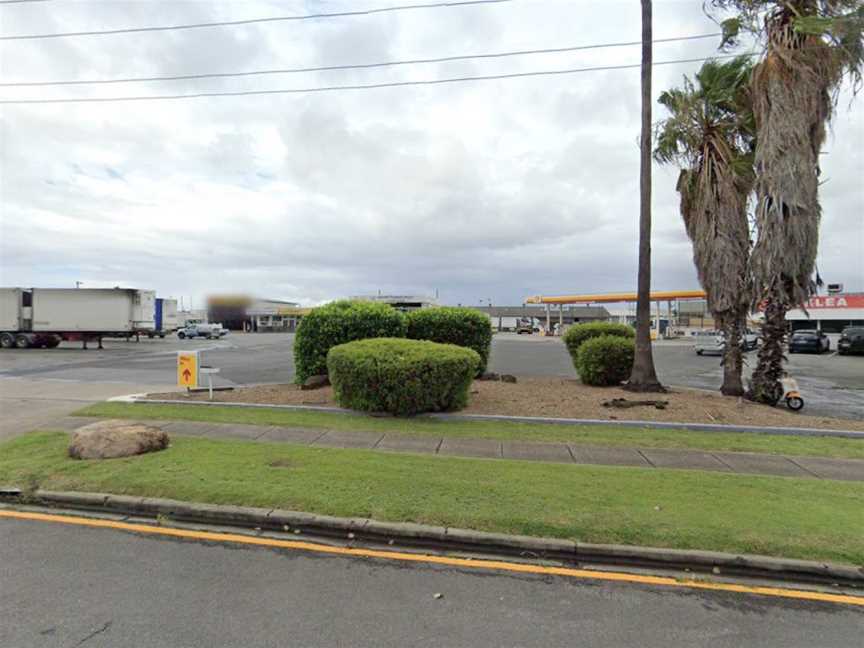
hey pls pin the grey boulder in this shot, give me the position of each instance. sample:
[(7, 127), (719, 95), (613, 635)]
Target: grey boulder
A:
[(111, 439), (315, 382)]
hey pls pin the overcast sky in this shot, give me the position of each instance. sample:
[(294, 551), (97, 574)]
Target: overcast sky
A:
[(483, 190)]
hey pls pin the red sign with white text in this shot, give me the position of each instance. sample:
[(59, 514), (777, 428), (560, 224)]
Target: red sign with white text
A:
[(836, 301)]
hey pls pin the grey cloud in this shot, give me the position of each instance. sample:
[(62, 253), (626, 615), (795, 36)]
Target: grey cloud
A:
[(500, 189)]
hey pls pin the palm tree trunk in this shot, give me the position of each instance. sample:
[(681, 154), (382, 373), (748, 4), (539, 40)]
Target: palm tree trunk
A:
[(733, 326), (643, 378), (765, 384)]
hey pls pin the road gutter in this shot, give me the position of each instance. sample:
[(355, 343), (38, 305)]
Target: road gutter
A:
[(449, 539)]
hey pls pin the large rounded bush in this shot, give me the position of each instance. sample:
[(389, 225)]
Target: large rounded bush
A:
[(579, 333), (337, 323), (465, 327), (605, 360), (402, 377)]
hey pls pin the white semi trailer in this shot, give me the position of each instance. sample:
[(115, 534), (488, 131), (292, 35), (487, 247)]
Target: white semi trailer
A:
[(43, 317), (165, 317)]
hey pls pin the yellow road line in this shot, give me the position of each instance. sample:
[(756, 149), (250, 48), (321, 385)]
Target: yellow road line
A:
[(472, 563)]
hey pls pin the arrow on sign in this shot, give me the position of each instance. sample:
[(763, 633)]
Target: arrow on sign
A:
[(187, 374)]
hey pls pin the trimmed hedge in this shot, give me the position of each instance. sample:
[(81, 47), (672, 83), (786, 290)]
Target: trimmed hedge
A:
[(579, 333), (403, 377), (465, 327), (605, 360), (337, 323)]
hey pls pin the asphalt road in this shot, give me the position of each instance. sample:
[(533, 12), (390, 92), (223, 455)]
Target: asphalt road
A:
[(72, 586), (832, 385)]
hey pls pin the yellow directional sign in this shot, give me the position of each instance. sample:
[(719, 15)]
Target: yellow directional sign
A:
[(187, 369)]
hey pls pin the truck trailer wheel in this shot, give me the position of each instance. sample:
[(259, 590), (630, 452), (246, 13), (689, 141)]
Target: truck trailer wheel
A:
[(7, 340), (22, 341)]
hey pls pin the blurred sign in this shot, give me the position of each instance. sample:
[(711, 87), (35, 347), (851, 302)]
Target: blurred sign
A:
[(187, 368)]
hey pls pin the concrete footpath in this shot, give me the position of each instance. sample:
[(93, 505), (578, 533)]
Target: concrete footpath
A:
[(650, 458), (30, 404)]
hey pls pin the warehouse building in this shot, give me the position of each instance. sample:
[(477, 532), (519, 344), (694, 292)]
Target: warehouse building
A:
[(403, 303), (245, 313), (506, 318), (270, 317), (694, 314)]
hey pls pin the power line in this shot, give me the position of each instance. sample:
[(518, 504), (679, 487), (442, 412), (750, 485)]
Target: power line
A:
[(356, 66), (250, 21), (393, 84), (8, 2)]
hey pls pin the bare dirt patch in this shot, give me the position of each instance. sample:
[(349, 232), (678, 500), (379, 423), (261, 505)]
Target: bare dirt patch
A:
[(562, 398)]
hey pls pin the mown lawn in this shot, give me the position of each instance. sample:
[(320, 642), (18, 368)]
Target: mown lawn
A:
[(584, 434), (778, 516)]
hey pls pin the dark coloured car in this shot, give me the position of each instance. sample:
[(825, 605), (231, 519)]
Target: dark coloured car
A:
[(851, 340), (809, 341)]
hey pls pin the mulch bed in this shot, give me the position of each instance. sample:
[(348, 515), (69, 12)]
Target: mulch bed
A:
[(563, 398)]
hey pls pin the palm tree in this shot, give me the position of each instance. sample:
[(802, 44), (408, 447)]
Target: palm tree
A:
[(643, 377), (710, 134), (809, 46)]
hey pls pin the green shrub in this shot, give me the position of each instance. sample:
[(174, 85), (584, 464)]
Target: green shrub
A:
[(402, 377), (605, 360), (465, 327), (337, 323), (579, 333)]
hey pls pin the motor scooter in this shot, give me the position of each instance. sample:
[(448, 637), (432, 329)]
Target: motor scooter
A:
[(791, 393)]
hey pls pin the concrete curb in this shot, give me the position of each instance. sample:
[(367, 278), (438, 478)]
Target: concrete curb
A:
[(138, 399), (408, 534), (697, 427), (128, 398)]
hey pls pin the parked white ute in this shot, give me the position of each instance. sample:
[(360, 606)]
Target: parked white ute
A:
[(204, 330), (711, 342)]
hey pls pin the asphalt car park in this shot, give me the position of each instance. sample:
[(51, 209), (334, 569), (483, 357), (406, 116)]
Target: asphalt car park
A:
[(832, 385)]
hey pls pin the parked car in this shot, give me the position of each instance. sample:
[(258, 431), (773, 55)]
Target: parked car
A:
[(809, 340), (524, 326), (851, 340), (710, 342), (750, 340), (208, 331)]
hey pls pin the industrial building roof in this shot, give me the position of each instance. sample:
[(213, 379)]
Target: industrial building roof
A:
[(578, 312)]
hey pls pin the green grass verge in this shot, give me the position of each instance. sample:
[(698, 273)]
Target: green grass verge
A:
[(584, 434), (778, 516)]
